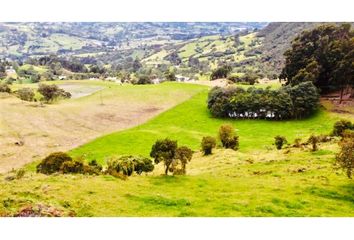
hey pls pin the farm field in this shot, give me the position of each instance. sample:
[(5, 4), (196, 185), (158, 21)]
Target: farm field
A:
[(104, 107)]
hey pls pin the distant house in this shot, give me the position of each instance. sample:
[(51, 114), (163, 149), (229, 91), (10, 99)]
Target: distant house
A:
[(62, 77)]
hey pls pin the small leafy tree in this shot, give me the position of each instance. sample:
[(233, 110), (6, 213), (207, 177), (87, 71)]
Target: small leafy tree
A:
[(208, 143), (25, 94), (345, 158), (279, 141), (228, 137), (182, 157), (164, 150)]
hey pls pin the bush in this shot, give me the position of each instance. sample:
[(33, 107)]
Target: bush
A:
[(279, 141), (182, 157), (340, 126), (143, 79), (75, 166), (52, 92), (208, 143), (228, 137), (25, 94), (53, 162), (126, 165), (164, 150), (345, 158), (297, 143), (313, 140), (5, 88)]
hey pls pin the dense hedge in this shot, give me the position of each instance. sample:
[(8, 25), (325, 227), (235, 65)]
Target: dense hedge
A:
[(285, 103)]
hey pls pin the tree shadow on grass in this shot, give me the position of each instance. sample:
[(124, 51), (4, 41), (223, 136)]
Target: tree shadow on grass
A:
[(343, 193)]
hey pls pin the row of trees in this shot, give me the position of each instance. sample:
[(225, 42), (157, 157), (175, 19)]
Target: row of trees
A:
[(285, 103)]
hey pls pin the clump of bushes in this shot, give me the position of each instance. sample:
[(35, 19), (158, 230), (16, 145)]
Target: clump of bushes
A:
[(208, 143), (228, 137), (60, 162), (126, 165), (25, 94), (52, 92), (174, 158), (340, 126), (221, 72), (279, 141), (53, 162), (285, 103), (345, 158), (5, 88)]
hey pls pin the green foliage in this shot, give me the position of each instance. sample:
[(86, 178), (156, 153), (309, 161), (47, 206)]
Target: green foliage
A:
[(314, 140), (53, 162), (324, 56), (170, 75), (5, 88), (126, 165), (143, 79), (221, 72), (340, 126), (228, 137), (208, 143), (345, 158), (164, 150), (279, 141), (52, 92), (74, 166), (284, 103), (25, 94), (182, 157), (249, 78)]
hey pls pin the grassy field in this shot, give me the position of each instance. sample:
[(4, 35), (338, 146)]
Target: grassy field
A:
[(257, 180), (227, 183), (189, 129), (69, 123)]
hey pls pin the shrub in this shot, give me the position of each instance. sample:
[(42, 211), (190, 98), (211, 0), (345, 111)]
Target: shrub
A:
[(182, 157), (228, 137), (340, 126), (208, 143), (20, 173), (53, 162), (75, 166), (25, 94), (345, 158), (164, 150), (279, 141), (5, 88), (52, 92), (297, 143), (126, 165), (94, 166), (313, 140), (143, 79)]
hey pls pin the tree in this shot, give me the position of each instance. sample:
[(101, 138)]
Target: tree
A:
[(221, 72), (170, 75), (228, 136), (324, 56), (208, 143), (182, 157), (136, 65), (164, 150), (313, 140), (25, 94)]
